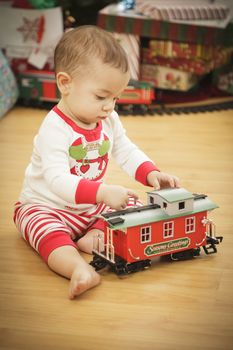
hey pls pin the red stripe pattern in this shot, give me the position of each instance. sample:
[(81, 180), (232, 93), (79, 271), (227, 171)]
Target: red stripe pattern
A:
[(40, 224), (46, 229)]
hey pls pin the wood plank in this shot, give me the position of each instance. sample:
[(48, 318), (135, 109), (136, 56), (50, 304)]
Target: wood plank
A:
[(172, 305)]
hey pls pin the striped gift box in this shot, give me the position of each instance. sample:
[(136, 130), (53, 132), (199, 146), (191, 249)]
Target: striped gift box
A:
[(131, 45), (113, 19), (181, 10)]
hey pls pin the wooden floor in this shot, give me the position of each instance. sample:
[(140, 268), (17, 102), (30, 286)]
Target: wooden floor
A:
[(173, 305)]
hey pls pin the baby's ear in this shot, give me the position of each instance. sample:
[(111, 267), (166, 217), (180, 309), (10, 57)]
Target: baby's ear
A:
[(63, 82)]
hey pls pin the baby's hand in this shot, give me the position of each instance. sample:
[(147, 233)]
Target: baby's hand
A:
[(160, 180), (116, 197)]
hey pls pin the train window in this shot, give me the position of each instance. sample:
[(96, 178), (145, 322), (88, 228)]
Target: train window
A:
[(168, 229), (181, 205), (190, 224), (151, 200), (145, 234)]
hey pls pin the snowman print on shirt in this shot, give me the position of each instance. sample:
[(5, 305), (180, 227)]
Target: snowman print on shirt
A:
[(90, 157)]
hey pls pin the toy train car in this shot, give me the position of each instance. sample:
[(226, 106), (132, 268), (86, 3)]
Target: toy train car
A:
[(40, 86), (37, 86), (174, 224)]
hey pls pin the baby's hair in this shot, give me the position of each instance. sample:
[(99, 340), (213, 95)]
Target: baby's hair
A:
[(79, 46)]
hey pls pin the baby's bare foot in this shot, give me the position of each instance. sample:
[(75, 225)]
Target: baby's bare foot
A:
[(82, 279)]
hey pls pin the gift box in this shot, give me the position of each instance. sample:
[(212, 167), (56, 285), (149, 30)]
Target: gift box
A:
[(168, 78), (225, 82), (182, 10), (114, 19), (32, 36), (181, 49), (131, 45), (194, 65), (8, 87)]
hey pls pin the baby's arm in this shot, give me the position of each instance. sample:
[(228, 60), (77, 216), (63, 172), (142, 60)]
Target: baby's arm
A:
[(160, 180)]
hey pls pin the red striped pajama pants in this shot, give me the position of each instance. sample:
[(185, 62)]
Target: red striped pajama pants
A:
[(46, 228)]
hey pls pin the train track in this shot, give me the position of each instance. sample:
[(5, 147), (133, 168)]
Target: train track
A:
[(154, 109), (160, 109)]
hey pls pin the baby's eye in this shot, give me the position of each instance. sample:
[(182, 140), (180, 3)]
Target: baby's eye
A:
[(100, 97)]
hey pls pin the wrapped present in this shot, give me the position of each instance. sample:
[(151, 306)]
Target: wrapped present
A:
[(168, 78), (8, 87), (115, 19), (131, 44), (186, 50), (225, 82), (32, 35), (222, 57), (20, 65), (194, 65), (174, 10)]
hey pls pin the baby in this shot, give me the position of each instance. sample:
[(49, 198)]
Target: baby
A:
[(64, 187)]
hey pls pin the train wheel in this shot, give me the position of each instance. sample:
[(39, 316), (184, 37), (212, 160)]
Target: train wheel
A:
[(98, 263), (185, 254), (120, 269), (138, 266)]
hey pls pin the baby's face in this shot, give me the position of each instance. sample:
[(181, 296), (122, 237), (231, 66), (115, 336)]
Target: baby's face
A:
[(92, 97)]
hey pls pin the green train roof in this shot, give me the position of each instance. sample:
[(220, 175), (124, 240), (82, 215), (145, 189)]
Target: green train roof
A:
[(152, 213), (174, 194)]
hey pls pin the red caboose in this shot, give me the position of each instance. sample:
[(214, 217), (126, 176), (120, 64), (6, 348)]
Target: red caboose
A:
[(173, 223)]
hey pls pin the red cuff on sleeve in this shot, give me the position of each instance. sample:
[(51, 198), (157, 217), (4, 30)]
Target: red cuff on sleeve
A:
[(143, 170), (52, 241), (86, 191)]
